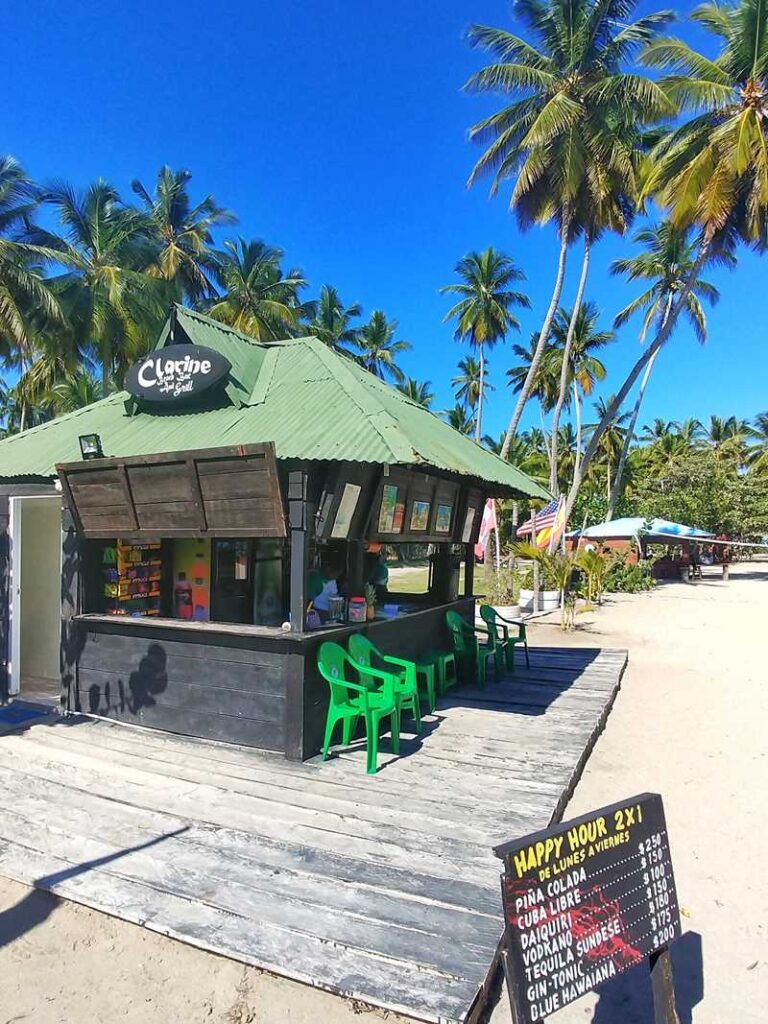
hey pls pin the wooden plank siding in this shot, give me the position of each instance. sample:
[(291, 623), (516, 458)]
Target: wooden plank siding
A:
[(224, 492), (381, 888), (198, 686)]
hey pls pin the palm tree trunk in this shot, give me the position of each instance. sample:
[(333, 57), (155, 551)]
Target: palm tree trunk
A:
[(481, 385), (665, 330), (614, 496), (577, 414), (540, 345), (564, 369)]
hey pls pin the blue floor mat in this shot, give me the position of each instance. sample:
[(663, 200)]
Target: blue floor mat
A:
[(14, 714)]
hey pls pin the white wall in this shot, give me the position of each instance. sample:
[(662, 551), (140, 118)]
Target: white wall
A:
[(40, 588)]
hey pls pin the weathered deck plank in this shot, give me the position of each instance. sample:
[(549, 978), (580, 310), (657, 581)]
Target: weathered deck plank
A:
[(380, 888)]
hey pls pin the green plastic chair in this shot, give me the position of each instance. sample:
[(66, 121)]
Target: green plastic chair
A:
[(352, 701), (406, 683), (471, 655), (444, 665), (496, 622)]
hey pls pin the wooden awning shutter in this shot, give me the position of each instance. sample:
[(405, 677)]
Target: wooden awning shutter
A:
[(211, 492)]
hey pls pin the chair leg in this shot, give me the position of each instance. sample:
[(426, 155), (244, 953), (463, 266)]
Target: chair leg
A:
[(498, 661), (394, 721), (416, 710), (330, 723), (454, 678), (527, 659), (371, 743), (430, 675), (481, 670), (350, 725)]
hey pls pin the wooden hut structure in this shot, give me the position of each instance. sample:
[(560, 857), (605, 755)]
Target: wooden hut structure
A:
[(162, 540)]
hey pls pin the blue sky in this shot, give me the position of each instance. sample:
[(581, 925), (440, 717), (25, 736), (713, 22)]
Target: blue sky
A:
[(337, 130)]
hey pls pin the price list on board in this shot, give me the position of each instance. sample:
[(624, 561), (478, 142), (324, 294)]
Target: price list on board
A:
[(584, 901)]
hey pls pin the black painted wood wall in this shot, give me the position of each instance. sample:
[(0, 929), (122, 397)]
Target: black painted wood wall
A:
[(197, 684)]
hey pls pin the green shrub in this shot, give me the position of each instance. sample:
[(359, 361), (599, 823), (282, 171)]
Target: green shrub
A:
[(502, 586), (621, 577)]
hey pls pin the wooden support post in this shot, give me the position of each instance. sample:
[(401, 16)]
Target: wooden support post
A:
[(356, 566), (512, 986), (70, 638), (536, 574), (469, 569), (299, 519), (664, 1008)]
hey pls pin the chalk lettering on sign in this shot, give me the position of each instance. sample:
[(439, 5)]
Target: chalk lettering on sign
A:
[(584, 901)]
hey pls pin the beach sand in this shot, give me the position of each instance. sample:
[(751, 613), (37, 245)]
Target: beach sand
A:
[(690, 722)]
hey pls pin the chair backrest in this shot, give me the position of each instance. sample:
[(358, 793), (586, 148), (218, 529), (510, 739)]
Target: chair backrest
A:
[(332, 660), (361, 649), (462, 633), (488, 615)]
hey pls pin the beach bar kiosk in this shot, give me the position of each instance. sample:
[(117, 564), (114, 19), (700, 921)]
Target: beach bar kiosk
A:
[(163, 545)]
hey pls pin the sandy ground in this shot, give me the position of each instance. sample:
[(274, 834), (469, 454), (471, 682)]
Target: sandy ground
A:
[(690, 722)]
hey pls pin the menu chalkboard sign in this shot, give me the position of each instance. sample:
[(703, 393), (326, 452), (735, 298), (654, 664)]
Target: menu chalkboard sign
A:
[(585, 900)]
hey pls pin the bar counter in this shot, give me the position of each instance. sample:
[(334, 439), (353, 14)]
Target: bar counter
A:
[(254, 685)]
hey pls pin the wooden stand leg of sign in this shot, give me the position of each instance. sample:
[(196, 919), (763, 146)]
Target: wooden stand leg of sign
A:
[(512, 987), (664, 1008)]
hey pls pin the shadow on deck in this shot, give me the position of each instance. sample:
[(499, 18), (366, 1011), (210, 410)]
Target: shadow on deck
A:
[(383, 888)]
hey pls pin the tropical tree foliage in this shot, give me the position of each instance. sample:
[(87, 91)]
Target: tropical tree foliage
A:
[(483, 313)]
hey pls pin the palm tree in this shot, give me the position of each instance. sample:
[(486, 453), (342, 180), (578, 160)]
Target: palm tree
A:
[(612, 439), (459, 419), (419, 392), (575, 338), (727, 438), (112, 307), (76, 391), (260, 300), (544, 385), (26, 301), (183, 234), (331, 321), (467, 382), (711, 171), (758, 452), (483, 313), (665, 265), (656, 431), (379, 349), (690, 430), (571, 136)]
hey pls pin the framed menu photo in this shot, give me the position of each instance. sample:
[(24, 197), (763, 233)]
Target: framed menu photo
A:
[(443, 518), (387, 509), (420, 515), (469, 522), (345, 511)]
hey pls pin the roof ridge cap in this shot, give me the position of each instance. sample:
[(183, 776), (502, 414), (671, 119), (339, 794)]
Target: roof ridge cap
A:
[(343, 376)]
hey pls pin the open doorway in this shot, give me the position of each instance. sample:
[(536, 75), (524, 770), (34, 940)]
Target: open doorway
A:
[(35, 598)]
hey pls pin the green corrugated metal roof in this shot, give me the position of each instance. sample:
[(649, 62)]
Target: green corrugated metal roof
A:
[(311, 402)]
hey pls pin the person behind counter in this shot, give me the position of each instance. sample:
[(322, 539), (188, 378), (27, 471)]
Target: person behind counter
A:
[(321, 602), (377, 573)]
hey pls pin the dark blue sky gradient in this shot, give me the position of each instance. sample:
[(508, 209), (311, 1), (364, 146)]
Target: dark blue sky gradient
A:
[(336, 130)]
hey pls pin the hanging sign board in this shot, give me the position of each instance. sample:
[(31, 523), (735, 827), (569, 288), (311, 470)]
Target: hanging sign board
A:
[(584, 901), (176, 373)]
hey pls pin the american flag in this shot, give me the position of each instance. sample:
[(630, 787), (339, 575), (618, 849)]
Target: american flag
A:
[(545, 518)]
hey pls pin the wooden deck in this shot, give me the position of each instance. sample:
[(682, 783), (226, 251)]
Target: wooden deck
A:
[(381, 888)]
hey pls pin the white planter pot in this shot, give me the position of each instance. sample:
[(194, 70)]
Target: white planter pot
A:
[(508, 611), (549, 600)]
